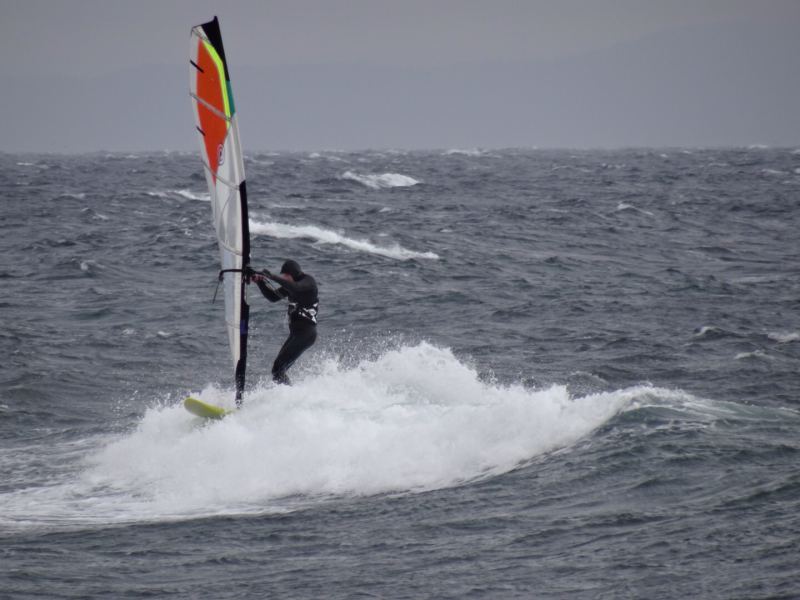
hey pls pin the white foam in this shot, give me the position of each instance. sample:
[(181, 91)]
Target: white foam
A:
[(784, 337), (773, 172), (622, 206), (377, 182), (187, 194), (190, 195), (760, 354), (92, 214), (414, 419), (326, 236), (463, 152), (329, 157), (706, 329)]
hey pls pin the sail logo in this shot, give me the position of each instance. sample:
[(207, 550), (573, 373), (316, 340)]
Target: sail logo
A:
[(220, 154)]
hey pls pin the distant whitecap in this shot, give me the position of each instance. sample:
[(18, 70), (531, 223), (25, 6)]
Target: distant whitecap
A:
[(759, 354), (190, 195), (705, 330), (326, 236), (463, 152), (377, 182), (183, 193), (784, 337), (624, 206)]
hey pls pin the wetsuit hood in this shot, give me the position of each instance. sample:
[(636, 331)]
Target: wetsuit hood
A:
[(292, 268)]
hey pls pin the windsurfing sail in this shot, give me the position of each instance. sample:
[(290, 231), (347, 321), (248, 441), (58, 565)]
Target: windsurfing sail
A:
[(217, 126)]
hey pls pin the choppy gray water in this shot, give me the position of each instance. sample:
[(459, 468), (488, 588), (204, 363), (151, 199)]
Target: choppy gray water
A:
[(539, 374)]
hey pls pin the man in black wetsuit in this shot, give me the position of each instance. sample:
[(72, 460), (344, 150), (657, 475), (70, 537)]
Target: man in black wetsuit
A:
[(301, 290)]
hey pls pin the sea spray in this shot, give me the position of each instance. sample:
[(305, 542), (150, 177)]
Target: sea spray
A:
[(415, 418), (412, 419)]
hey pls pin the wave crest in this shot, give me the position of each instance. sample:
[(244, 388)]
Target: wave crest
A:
[(326, 236), (377, 182), (413, 419), (186, 194)]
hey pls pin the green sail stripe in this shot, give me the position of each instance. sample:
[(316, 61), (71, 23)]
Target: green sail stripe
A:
[(230, 97)]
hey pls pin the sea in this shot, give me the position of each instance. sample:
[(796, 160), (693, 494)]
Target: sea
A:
[(539, 374)]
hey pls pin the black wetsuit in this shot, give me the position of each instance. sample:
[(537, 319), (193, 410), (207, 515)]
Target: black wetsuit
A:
[(303, 303)]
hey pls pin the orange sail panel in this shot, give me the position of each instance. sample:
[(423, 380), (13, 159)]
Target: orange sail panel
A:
[(211, 103)]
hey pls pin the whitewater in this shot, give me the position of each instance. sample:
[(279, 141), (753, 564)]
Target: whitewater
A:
[(414, 419), (326, 236)]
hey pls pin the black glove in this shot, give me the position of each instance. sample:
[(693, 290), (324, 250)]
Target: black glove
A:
[(266, 273), (248, 273)]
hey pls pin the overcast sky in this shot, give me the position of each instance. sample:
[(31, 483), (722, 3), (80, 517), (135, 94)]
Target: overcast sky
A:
[(406, 73)]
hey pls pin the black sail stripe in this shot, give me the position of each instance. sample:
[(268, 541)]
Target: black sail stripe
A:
[(241, 367), (211, 29)]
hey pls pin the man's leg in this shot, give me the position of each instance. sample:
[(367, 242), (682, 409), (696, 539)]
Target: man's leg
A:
[(297, 343)]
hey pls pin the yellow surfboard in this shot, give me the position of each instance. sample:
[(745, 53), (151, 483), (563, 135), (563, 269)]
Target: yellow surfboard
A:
[(205, 410)]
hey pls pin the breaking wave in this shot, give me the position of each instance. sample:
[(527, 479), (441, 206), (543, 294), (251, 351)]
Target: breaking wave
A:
[(377, 182), (185, 194), (326, 236), (413, 419)]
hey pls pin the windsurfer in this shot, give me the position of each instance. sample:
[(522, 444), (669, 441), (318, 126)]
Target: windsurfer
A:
[(301, 291)]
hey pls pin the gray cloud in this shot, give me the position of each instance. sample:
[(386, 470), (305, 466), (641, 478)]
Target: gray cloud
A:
[(90, 75)]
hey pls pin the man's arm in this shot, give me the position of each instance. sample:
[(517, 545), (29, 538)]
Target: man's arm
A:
[(292, 287), (269, 292), (266, 289)]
